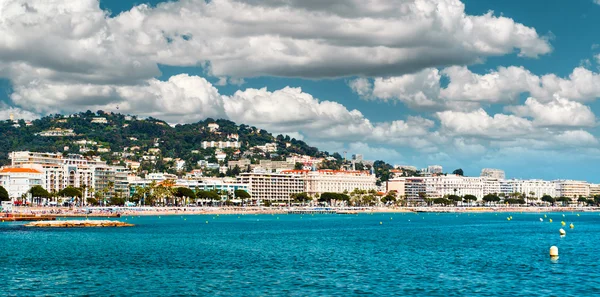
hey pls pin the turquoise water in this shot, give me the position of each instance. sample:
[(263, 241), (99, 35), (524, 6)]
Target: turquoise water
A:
[(294, 255)]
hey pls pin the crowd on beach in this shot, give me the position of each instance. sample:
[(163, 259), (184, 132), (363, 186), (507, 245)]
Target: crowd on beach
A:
[(117, 211)]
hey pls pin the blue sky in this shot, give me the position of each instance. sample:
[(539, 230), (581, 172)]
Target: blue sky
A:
[(472, 84)]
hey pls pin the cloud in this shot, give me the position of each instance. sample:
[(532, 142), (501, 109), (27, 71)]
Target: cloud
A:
[(560, 112), (576, 138), (180, 99), (17, 113), (280, 38), (467, 90), (479, 124)]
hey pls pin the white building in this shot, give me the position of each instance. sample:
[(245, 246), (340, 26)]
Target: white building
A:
[(220, 144), (72, 170), (572, 188), (212, 127), (18, 181), (336, 181), (534, 187), (493, 173), (434, 169), (57, 132), (272, 186), (99, 120)]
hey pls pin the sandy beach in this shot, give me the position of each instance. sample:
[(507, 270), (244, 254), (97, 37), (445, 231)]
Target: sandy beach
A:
[(163, 211)]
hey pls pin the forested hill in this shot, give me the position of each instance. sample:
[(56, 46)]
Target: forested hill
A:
[(121, 132)]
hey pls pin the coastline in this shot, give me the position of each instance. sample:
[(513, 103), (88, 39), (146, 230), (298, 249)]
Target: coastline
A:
[(165, 211)]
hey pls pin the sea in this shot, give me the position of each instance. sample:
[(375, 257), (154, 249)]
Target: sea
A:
[(382, 254)]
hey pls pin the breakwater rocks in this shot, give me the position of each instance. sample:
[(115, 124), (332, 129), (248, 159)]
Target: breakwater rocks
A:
[(78, 224)]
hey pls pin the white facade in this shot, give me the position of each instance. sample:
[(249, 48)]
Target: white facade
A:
[(274, 187), (18, 181), (72, 170), (435, 169), (335, 181), (220, 144), (493, 173), (572, 188), (57, 132)]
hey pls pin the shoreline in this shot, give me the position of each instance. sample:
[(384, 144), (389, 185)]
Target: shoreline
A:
[(160, 211)]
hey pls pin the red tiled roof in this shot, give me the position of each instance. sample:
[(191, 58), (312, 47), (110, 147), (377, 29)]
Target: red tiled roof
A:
[(19, 170)]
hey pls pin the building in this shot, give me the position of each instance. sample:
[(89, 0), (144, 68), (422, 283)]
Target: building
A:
[(532, 188), (212, 127), (435, 169), (90, 174), (272, 186), (335, 181), (493, 173), (572, 188), (18, 181), (242, 163), (594, 189), (99, 120), (220, 144), (270, 165), (57, 132)]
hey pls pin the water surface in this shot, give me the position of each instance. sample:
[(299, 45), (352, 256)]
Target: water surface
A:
[(300, 255)]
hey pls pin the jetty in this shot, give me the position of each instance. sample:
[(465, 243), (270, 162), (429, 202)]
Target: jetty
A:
[(78, 224)]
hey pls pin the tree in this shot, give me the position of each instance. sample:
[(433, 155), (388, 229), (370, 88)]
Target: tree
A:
[(243, 195), (183, 192), (582, 199), (39, 192), (442, 201), (491, 198), (458, 171), (389, 197), (454, 198), (298, 166), (70, 192), (469, 198), (548, 198), (92, 201), (208, 195), (564, 200), (301, 197), (3, 194)]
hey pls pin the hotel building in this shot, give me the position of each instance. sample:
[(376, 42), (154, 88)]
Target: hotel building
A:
[(572, 188), (272, 186), (18, 181), (336, 181)]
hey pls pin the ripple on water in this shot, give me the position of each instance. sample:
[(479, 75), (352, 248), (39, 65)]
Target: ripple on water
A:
[(442, 255)]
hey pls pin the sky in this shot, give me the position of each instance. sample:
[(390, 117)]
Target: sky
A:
[(463, 84)]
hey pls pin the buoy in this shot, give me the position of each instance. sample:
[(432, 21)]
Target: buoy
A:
[(577, 214), (545, 216), (563, 223), (550, 220), (380, 223), (553, 252), (563, 215), (572, 226), (541, 220), (562, 232), (207, 222)]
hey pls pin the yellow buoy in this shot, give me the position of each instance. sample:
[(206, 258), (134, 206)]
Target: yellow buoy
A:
[(553, 252), (380, 223), (550, 220), (545, 216), (562, 232), (563, 223), (207, 222), (572, 226), (577, 214)]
